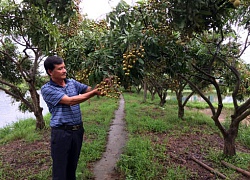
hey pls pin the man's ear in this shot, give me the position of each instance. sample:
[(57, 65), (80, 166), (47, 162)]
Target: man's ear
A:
[(49, 71)]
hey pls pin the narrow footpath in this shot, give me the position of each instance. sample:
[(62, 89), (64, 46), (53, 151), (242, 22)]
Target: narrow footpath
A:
[(105, 168)]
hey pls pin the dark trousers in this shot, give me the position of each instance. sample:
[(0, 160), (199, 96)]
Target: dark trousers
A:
[(65, 151)]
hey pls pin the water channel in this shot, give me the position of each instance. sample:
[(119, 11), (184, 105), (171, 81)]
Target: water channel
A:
[(211, 97), (9, 112)]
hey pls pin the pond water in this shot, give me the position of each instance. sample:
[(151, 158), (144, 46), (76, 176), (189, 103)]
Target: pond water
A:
[(9, 112), (211, 97)]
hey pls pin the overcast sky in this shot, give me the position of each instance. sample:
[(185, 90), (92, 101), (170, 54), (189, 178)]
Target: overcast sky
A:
[(96, 9)]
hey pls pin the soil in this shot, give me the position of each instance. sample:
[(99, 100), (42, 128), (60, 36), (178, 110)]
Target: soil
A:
[(17, 153)]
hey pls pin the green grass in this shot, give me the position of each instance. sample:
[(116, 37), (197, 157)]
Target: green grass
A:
[(97, 118), (146, 121), (23, 129), (244, 135), (138, 159), (145, 155)]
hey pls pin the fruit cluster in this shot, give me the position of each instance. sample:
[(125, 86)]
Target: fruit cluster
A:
[(130, 58), (70, 29), (83, 75), (109, 87)]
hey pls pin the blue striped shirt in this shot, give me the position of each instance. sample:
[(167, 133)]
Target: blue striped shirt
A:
[(62, 114)]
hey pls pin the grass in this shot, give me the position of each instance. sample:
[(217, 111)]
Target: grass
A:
[(145, 156), (243, 136), (146, 120), (97, 118), (9, 133)]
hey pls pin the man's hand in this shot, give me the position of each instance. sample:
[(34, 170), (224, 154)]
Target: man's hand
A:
[(98, 91)]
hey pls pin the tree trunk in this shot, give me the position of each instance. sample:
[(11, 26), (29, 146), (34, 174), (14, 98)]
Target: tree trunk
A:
[(153, 95), (229, 141), (152, 92), (180, 106), (145, 92), (163, 99), (229, 146), (40, 124), (181, 112)]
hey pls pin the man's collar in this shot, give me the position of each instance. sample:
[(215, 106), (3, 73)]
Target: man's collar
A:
[(54, 84)]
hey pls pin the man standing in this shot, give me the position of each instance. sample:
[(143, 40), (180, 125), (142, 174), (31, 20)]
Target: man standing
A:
[(62, 97)]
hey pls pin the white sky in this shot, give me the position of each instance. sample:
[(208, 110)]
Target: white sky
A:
[(246, 55), (96, 9)]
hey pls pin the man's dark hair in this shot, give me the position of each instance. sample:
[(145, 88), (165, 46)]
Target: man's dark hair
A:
[(50, 62)]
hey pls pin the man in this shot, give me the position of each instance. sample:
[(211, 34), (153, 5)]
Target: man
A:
[(62, 97)]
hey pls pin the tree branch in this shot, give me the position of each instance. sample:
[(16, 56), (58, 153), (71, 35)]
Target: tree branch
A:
[(18, 94), (208, 168), (242, 171)]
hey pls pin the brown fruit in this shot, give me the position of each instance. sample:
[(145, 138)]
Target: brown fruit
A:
[(236, 3)]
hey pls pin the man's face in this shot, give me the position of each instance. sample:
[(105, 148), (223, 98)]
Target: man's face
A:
[(59, 72)]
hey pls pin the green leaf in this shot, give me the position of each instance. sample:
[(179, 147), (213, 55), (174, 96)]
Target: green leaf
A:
[(126, 32), (141, 61), (207, 13)]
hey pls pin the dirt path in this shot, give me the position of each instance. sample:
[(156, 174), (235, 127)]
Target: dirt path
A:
[(105, 168)]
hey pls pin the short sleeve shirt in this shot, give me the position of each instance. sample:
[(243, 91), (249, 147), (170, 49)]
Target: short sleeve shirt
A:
[(62, 114)]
